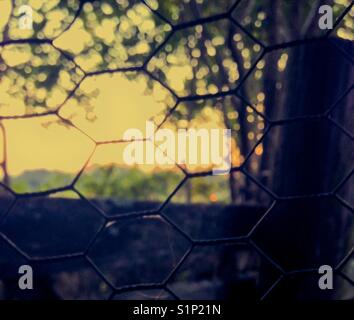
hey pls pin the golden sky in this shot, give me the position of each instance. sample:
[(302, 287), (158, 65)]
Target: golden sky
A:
[(41, 142)]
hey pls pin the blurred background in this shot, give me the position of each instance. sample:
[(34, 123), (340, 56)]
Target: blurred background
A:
[(89, 70)]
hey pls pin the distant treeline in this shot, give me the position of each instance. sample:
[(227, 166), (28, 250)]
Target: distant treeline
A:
[(127, 184)]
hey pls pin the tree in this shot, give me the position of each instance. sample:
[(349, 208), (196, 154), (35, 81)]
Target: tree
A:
[(209, 59)]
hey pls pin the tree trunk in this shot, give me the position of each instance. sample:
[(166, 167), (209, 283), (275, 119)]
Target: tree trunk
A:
[(311, 157)]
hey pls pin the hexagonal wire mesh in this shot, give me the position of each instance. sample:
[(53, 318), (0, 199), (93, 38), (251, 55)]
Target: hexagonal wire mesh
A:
[(227, 21)]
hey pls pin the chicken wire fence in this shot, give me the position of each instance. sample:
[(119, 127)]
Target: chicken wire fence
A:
[(224, 13)]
